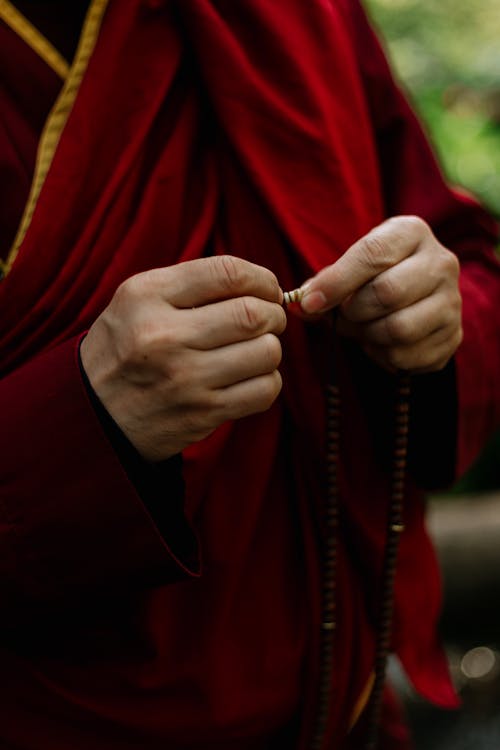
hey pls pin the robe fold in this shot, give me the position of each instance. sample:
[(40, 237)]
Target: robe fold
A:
[(274, 132)]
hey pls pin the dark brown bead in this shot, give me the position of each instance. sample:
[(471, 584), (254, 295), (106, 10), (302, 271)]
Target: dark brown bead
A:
[(403, 407)]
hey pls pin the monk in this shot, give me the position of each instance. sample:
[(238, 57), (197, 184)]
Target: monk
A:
[(168, 169)]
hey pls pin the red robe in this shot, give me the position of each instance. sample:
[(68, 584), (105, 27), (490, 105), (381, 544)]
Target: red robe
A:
[(275, 132)]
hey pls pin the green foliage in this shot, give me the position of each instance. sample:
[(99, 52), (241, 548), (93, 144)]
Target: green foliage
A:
[(448, 56)]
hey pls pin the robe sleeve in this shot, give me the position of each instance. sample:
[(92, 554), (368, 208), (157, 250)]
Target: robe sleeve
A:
[(72, 523), (458, 409), (149, 479)]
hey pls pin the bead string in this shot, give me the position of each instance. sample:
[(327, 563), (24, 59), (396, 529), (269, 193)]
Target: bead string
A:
[(329, 599), (395, 527)]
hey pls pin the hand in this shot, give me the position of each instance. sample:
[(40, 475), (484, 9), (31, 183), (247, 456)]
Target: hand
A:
[(398, 296), (180, 350)]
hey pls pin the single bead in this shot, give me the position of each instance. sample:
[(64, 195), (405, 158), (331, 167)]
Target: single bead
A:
[(294, 296)]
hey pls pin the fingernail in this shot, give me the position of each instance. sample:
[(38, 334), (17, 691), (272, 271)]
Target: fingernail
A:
[(313, 301)]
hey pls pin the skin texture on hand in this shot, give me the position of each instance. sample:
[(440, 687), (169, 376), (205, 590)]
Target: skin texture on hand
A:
[(397, 294), (180, 350)]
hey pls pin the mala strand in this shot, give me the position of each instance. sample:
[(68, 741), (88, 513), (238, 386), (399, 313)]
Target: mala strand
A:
[(395, 527), (329, 582), (329, 603)]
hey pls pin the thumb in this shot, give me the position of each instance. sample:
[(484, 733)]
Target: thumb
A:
[(382, 248)]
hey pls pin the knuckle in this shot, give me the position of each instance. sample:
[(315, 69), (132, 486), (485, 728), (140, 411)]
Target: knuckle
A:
[(282, 321), (414, 225), (176, 374), (450, 349), (230, 271), (452, 312), (218, 405), (147, 347), (275, 283), (408, 227), (456, 339), (146, 340), (273, 350), (247, 317), (126, 290), (128, 346), (376, 252), (182, 373), (132, 289), (450, 264), (385, 291), (269, 391), (397, 329)]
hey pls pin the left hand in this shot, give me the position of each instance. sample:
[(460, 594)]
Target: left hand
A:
[(397, 294)]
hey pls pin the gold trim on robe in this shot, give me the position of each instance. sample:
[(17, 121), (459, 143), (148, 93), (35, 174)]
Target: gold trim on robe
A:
[(33, 38), (362, 701), (58, 118)]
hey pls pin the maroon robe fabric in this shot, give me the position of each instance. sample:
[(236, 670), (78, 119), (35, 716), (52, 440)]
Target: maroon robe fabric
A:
[(274, 132)]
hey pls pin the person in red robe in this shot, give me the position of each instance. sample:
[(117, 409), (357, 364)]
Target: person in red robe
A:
[(164, 471)]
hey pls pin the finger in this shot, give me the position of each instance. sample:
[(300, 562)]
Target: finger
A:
[(223, 367), (395, 289), (408, 326), (429, 355), (198, 282), (250, 396), (384, 247), (230, 321)]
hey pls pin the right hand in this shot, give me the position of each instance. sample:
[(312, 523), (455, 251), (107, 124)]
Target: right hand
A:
[(180, 350)]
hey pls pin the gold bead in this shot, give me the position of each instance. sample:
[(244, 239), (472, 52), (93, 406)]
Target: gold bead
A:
[(328, 626), (398, 528)]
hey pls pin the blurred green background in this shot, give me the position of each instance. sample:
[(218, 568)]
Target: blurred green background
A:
[(447, 54)]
